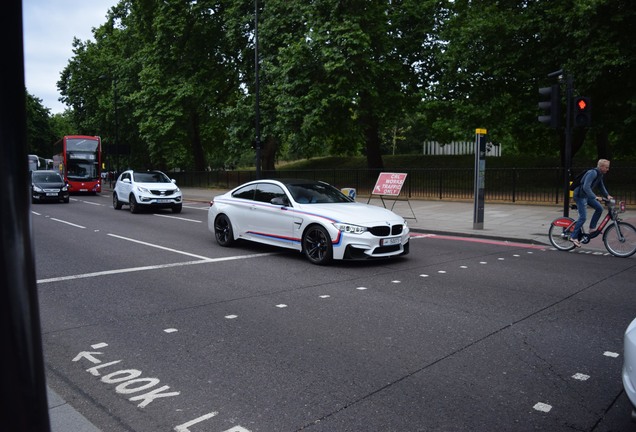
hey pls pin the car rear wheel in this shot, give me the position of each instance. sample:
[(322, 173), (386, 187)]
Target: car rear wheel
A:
[(317, 245), (223, 231), (134, 206), (116, 202)]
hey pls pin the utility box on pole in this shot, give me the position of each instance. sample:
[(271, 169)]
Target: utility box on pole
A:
[(480, 178)]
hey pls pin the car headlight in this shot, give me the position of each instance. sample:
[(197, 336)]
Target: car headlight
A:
[(64, 188), (349, 228), (143, 190)]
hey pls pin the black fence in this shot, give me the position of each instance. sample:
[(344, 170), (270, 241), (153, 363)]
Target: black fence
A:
[(506, 185)]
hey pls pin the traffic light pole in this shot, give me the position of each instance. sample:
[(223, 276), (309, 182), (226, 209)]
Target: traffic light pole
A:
[(568, 145)]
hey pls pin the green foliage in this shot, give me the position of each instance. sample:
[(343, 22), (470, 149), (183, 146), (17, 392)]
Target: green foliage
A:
[(171, 84)]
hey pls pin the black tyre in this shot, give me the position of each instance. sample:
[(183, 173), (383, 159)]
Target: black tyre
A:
[(134, 206), (621, 247), (317, 245), (560, 237), (116, 202), (223, 231), (66, 200), (177, 208)]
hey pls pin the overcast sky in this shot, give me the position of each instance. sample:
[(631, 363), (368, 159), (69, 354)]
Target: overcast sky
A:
[(49, 28)]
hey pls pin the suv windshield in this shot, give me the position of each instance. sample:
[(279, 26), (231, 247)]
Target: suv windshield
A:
[(151, 177)]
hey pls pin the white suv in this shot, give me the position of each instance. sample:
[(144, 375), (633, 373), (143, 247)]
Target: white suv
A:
[(146, 189)]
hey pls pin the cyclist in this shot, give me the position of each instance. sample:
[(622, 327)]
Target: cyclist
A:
[(584, 195)]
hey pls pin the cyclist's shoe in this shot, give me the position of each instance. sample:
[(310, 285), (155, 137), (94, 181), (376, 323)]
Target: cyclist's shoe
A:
[(576, 242)]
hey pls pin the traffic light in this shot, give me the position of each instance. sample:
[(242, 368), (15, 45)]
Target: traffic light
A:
[(582, 112), (551, 105)]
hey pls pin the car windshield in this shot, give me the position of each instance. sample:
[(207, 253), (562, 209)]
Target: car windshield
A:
[(316, 193), (151, 177), (46, 177)]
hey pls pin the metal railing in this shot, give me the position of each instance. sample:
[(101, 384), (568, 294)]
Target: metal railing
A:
[(505, 185)]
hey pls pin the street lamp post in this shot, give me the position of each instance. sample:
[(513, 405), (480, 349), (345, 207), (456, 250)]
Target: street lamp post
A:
[(116, 125), (257, 121)]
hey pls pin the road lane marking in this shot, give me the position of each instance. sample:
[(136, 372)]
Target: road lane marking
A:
[(176, 217), (158, 247), (145, 268), (68, 223), (543, 407)]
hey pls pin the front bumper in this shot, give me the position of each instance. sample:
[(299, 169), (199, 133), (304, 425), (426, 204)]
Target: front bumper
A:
[(51, 195), (368, 246), (159, 201)]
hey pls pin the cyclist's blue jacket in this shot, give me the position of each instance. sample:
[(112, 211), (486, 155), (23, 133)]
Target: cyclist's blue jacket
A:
[(592, 179)]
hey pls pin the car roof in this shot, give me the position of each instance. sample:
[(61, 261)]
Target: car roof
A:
[(292, 181)]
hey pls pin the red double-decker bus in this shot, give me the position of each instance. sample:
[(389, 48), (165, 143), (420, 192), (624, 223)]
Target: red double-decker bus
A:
[(79, 162)]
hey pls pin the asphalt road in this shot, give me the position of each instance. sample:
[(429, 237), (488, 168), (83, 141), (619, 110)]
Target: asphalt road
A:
[(149, 326)]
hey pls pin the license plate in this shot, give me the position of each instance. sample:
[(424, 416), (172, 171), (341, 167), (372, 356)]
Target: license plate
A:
[(163, 201), (51, 194), (390, 241), (83, 190)]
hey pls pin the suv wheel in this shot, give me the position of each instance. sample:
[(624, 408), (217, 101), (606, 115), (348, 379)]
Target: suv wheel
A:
[(116, 202), (134, 206)]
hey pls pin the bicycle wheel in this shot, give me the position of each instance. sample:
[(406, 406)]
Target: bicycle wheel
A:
[(559, 234), (624, 247)]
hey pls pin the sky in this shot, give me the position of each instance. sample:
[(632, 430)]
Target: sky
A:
[(49, 28)]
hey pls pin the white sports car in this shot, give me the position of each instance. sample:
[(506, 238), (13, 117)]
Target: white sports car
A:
[(309, 216), (629, 365)]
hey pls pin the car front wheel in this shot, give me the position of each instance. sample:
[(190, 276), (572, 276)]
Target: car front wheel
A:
[(134, 206), (223, 231), (317, 245), (116, 202), (177, 208)]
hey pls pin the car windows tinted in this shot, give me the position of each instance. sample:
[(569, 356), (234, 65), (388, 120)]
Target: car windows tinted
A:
[(47, 177), (246, 192), (317, 193), (265, 192), (150, 177)]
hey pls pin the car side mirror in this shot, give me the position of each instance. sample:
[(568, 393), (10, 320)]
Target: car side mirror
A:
[(282, 201), (126, 180), (174, 181)]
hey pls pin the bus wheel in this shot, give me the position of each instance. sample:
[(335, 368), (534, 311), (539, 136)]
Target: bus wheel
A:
[(116, 202)]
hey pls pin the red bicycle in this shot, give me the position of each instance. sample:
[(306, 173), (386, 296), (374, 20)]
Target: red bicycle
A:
[(619, 237)]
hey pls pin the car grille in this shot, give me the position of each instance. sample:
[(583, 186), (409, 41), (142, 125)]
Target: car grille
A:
[(383, 231), (51, 190), (161, 192)]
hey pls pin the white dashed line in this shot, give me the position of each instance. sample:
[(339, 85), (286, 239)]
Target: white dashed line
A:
[(543, 407), (610, 354), (580, 377)]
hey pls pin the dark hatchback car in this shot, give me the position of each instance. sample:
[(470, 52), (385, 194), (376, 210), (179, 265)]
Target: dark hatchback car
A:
[(48, 186)]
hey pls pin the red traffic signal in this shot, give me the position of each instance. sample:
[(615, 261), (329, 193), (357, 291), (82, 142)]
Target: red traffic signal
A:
[(582, 112)]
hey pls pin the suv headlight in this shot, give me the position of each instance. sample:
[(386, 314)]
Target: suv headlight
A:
[(350, 229), (143, 190), (37, 189)]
